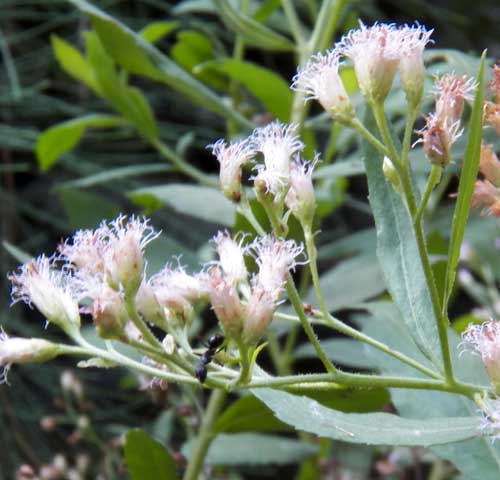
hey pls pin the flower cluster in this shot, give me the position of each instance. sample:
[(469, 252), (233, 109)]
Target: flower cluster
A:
[(377, 53), (102, 273), (243, 303), (282, 175), (487, 189), (442, 127)]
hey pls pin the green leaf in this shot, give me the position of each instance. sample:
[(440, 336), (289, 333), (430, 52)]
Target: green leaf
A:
[(73, 63), (146, 458), (350, 282), (248, 414), (255, 449), (399, 257), (477, 458), (369, 428), (253, 32), (201, 202), (468, 176), (62, 138), (343, 351), (129, 101), (20, 255), (138, 56), (155, 31), (264, 84), (340, 169), (85, 209), (192, 49)]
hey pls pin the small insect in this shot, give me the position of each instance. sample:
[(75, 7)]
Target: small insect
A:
[(213, 344)]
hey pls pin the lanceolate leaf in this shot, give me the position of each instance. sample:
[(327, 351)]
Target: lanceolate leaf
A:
[(138, 56), (254, 32), (470, 168), (62, 138), (369, 428), (399, 257), (264, 84)]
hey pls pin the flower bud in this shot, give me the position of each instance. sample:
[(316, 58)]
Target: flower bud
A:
[(320, 80), (70, 383), (124, 255), (300, 199), (438, 138), (489, 165), (486, 195), (485, 340), (39, 284), (491, 115), (411, 64), (278, 143), (109, 314), (231, 158), (149, 307), (24, 350), (375, 52), (226, 303), (231, 257), (391, 174), (451, 92), (259, 314)]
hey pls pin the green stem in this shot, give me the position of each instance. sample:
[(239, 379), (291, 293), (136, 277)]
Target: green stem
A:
[(245, 209), (294, 23), (410, 121), (356, 125), (205, 435), (293, 295), (364, 381), (182, 166), (404, 175), (432, 181), (137, 321)]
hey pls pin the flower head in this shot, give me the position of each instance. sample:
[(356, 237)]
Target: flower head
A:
[(23, 350), (438, 138), (300, 198), (231, 158), (274, 258), (484, 340), (489, 165), (278, 143), (487, 196), (231, 254), (451, 92), (226, 302), (320, 80), (375, 52), (411, 64), (176, 290), (38, 283)]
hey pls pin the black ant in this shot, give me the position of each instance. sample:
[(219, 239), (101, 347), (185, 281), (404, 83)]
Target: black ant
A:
[(213, 344)]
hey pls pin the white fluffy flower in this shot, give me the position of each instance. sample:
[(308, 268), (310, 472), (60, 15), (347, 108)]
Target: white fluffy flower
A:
[(320, 80), (38, 283)]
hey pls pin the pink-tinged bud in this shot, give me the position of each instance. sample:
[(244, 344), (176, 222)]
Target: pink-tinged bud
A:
[(491, 115), (489, 165), (124, 255), (24, 350), (274, 258), (259, 314), (109, 313), (231, 158), (226, 303), (39, 284), (375, 52), (148, 306), (484, 340), (486, 196), (231, 257), (451, 92), (411, 64), (176, 291), (278, 143), (300, 198), (320, 80), (438, 138)]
